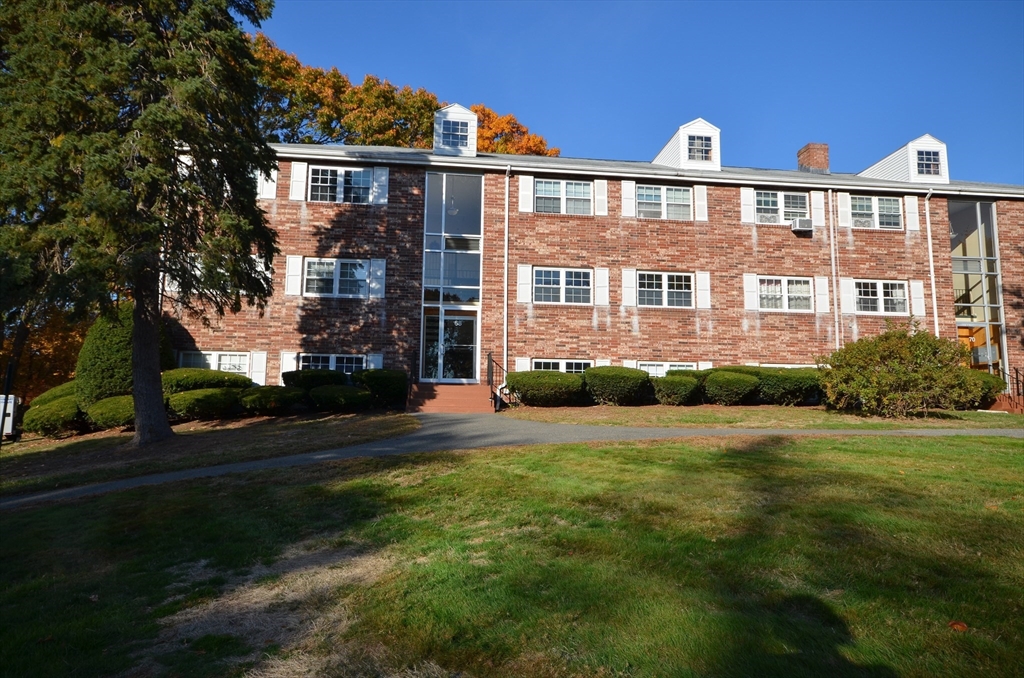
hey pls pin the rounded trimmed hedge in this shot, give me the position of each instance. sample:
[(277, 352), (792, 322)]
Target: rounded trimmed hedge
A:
[(116, 412), (729, 388), (546, 388), (782, 385), (991, 385), (270, 400), (56, 417), (204, 403), (195, 378), (310, 379), (55, 393), (389, 388), (617, 385), (673, 390), (339, 398), (104, 366)]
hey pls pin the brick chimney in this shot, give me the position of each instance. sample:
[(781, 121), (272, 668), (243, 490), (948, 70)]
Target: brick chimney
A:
[(813, 158)]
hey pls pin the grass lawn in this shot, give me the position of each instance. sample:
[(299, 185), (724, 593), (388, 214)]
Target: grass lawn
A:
[(36, 464), (744, 556), (761, 416)]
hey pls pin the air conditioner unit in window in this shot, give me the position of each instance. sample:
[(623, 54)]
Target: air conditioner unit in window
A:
[(803, 225)]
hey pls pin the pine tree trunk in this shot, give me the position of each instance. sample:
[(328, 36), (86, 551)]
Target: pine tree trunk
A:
[(150, 416)]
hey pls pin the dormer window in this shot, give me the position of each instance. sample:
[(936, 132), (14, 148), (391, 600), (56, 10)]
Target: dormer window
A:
[(455, 133), (699, 148), (928, 162)]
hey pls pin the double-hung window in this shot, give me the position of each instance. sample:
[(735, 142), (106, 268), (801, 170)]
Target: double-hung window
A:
[(324, 361), (336, 278), (663, 202), (562, 286), (237, 363), (664, 289), (873, 212), (784, 294), (569, 366), (332, 184), (881, 296), (455, 133), (775, 207), (563, 197), (698, 148), (928, 163)]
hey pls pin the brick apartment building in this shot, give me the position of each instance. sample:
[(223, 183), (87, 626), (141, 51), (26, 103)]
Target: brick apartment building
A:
[(431, 260)]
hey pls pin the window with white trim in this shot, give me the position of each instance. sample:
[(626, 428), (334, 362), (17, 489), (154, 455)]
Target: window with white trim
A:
[(881, 296), (324, 361), (569, 366), (928, 163), (224, 361), (874, 212), (785, 294), (553, 196), (660, 369), (664, 202), (346, 278), (673, 290), (334, 184), (775, 207), (455, 133), (562, 286), (699, 148)]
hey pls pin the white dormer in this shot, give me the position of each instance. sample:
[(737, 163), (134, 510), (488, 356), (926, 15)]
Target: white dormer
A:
[(455, 131), (696, 145), (922, 161)]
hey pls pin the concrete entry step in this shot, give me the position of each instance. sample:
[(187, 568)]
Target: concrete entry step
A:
[(451, 398)]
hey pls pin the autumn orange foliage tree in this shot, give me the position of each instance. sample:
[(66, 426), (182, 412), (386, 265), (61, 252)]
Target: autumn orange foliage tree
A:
[(504, 134), (50, 353)]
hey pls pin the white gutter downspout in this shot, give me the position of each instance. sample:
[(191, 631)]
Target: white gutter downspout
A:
[(504, 315), (931, 258), (835, 272)]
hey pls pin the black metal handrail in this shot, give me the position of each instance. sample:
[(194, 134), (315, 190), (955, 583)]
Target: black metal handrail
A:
[(500, 395)]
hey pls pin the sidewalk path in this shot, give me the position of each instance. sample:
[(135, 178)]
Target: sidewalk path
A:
[(468, 431)]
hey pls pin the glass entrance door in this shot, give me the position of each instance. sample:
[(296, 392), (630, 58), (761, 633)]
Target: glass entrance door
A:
[(449, 345)]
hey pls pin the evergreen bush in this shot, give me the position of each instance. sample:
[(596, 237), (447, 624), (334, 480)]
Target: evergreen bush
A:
[(729, 388), (116, 412), (546, 388), (618, 385), (990, 386), (270, 400), (104, 366), (389, 388), (195, 378), (55, 393), (57, 417), (205, 403), (673, 390), (789, 386), (340, 398), (310, 379)]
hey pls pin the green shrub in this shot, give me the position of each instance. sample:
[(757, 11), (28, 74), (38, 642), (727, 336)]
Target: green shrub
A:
[(699, 375), (389, 388), (339, 398), (990, 386), (104, 366), (310, 379), (195, 378), (116, 412), (900, 372), (204, 403), (55, 393), (270, 400), (782, 385), (546, 388), (618, 385), (729, 388), (57, 417), (673, 390)]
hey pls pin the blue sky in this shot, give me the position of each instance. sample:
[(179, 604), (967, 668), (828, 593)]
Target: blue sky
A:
[(614, 80)]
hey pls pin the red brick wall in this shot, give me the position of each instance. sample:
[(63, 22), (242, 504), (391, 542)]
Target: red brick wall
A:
[(1010, 231)]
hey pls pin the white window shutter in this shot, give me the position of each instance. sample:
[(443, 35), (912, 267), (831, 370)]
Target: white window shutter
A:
[(601, 296), (821, 294), (750, 300), (374, 361), (297, 188), (845, 218), (817, 208), (525, 193), (910, 207), (629, 198), (917, 298), (267, 186), (379, 189), (524, 284), (603, 362), (293, 275), (522, 364), (601, 197), (747, 214), (377, 274), (258, 367), (629, 363), (700, 203), (289, 363), (629, 287), (703, 289), (847, 295)]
